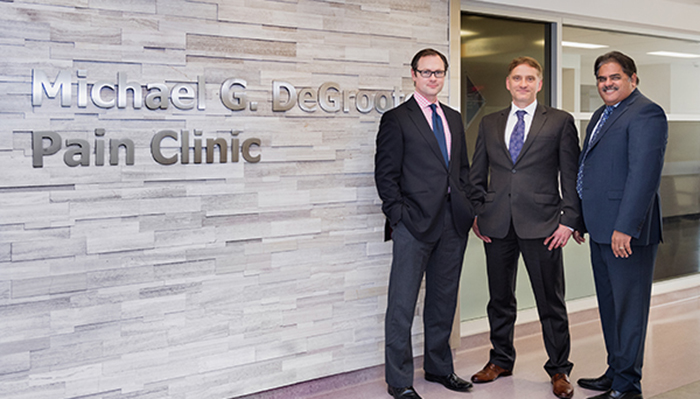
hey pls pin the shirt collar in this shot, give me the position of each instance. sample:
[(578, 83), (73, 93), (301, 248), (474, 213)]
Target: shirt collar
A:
[(422, 101), (530, 109)]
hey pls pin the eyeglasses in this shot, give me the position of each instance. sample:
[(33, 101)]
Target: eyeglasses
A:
[(426, 74)]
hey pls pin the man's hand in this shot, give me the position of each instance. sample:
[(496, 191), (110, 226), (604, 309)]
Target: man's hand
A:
[(579, 238), (559, 238), (620, 244), (475, 227)]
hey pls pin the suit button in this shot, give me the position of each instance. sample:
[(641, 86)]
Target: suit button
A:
[(513, 171)]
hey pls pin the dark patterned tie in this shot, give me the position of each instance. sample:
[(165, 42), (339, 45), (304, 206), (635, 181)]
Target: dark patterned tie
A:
[(518, 136), (579, 177), (439, 133)]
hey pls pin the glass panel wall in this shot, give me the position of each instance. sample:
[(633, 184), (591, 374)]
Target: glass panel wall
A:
[(669, 72)]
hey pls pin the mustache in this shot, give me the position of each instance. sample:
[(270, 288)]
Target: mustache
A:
[(610, 88)]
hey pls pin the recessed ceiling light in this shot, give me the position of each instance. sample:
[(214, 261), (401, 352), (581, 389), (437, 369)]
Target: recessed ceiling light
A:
[(583, 45), (674, 54)]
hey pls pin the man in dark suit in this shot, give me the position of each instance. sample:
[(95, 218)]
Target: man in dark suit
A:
[(422, 176), (524, 177), (618, 183)]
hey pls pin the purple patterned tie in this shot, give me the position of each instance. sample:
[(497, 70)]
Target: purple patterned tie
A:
[(518, 136)]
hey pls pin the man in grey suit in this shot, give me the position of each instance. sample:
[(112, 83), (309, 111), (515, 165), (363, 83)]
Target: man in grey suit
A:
[(422, 176), (618, 183), (524, 177)]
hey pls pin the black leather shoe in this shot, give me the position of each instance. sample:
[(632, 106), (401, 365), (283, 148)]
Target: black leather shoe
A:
[(602, 383), (450, 381), (613, 394), (403, 393)]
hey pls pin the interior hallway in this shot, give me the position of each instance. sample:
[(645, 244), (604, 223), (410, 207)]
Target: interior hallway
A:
[(672, 358)]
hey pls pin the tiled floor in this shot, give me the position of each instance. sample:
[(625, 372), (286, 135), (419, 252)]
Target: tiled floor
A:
[(672, 360), (690, 391)]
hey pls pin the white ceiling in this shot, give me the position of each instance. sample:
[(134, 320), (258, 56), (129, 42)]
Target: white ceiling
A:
[(635, 46)]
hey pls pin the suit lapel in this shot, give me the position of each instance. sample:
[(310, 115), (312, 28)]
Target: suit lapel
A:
[(589, 131), (455, 130), (538, 120), (418, 118), (501, 131), (616, 114)]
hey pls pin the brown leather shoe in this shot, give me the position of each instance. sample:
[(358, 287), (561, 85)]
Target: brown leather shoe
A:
[(561, 386), (489, 373)]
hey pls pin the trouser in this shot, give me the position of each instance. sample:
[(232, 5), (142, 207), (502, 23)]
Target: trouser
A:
[(623, 289), (546, 271), (441, 263)]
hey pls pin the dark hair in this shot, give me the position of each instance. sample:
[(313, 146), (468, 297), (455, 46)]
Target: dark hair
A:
[(625, 62), (525, 60), (427, 52)]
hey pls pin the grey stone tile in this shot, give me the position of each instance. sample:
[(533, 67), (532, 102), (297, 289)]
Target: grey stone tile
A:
[(196, 281)]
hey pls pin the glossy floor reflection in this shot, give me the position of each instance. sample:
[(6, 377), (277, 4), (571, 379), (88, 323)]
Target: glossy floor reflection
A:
[(672, 359)]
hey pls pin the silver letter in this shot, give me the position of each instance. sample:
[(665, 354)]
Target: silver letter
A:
[(38, 149), (223, 149), (277, 104), (385, 98), (201, 93), (82, 88), (83, 149), (367, 98), (328, 100), (307, 95), (397, 96), (180, 99), (96, 94), (347, 95), (40, 83), (123, 86), (228, 96), (155, 147), (245, 150), (156, 96), (114, 151), (99, 147)]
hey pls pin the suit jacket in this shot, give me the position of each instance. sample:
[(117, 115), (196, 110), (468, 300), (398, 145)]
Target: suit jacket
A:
[(529, 192), (412, 178), (622, 172)]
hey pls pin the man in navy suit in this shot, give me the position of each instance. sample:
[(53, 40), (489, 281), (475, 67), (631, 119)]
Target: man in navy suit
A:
[(524, 177), (618, 182), (422, 176)]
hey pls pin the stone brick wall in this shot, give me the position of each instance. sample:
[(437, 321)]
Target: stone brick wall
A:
[(194, 280)]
